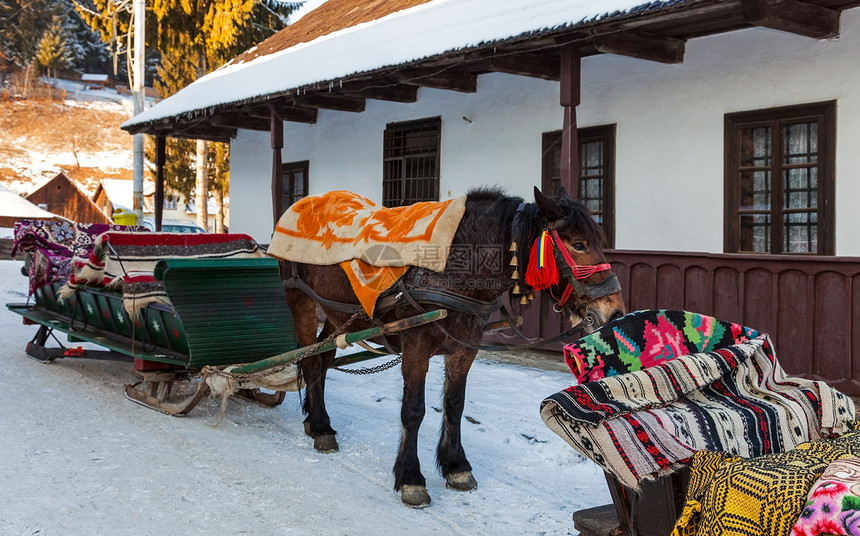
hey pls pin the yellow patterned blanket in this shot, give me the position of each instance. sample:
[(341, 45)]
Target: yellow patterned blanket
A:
[(345, 228), (763, 496)]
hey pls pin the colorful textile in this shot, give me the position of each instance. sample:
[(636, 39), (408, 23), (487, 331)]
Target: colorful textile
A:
[(737, 399), (340, 227), (54, 244), (728, 495), (126, 261), (646, 338), (833, 503)]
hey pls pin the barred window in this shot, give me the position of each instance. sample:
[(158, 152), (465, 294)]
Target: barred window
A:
[(411, 162), (779, 180)]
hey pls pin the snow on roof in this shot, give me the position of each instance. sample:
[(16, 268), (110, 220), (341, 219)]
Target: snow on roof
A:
[(398, 38), (13, 205), (120, 192)]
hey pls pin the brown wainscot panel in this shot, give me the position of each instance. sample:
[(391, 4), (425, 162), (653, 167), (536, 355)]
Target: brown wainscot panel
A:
[(809, 305)]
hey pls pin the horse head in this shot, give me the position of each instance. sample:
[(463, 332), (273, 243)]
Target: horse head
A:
[(563, 254)]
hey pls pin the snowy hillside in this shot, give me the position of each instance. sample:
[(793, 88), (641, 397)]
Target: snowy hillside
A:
[(79, 136)]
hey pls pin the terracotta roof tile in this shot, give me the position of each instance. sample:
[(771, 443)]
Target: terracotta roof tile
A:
[(330, 17)]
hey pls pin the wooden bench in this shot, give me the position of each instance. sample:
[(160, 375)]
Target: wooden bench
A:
[(94, 80)]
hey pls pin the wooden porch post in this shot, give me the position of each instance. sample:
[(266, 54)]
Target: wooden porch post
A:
[(160, 157), (276, 131), (570, 83)]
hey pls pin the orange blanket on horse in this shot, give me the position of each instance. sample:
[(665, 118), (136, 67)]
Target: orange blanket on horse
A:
[(374, 245)]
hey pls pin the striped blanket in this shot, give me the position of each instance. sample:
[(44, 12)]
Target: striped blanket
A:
[(650, 421)]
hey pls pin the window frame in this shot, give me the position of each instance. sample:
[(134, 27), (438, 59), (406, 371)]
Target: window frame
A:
[(288, 169), (776, 119), (604, 133), (402, 126)]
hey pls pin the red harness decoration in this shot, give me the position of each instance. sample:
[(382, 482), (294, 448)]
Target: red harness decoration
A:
[(579, 272), (543, 272)]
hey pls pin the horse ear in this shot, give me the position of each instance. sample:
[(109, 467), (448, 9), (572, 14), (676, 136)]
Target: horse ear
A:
[(550, 210), (561, 192)]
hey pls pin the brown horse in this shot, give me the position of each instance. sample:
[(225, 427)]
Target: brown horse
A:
[(492, 222)]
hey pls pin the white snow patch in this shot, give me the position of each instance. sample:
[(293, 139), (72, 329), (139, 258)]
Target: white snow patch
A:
[(80, 459)]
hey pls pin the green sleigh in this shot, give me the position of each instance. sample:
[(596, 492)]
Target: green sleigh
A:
[(226, 318)]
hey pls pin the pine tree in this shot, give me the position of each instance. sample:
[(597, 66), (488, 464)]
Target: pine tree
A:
[(22, 24), (53, 50), (192, 37)]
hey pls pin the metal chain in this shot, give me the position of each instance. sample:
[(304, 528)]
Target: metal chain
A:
[(371, 370)]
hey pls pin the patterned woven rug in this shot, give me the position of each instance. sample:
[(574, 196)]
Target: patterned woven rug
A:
[(374, 245), (651, 420), (54, 244)]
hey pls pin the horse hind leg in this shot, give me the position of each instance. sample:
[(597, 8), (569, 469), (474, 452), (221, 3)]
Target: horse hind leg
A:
[(450, 455)]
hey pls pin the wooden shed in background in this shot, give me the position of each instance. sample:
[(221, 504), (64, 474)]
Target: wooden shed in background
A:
[(61, 196)]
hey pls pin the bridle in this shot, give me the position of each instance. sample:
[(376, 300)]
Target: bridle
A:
[(576, 274)]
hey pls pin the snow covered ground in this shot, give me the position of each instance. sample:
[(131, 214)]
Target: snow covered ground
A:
[(80, 459)]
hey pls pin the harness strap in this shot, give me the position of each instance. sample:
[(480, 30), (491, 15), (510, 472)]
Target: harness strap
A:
[(497, 347)]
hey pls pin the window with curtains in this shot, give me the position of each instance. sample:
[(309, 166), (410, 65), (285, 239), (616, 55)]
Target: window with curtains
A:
[(779, 180), (411, 162), (595, 187)]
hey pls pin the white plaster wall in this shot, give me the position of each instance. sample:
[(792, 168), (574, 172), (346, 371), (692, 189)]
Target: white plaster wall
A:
[(669, 145)]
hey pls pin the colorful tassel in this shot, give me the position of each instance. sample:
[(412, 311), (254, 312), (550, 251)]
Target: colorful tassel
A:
[(542, 272)]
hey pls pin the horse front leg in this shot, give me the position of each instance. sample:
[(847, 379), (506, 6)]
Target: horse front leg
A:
[(450, 455), (317, 423), (313, 370), (407, 468)]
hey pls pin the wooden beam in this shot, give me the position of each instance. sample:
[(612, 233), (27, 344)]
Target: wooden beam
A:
[(526, 64), (160, 157), (447, 79), (331, 101), (276, 135), (792, 16), (235, 120), (569, 98), (396, 93), (642, 45), (292, 114)]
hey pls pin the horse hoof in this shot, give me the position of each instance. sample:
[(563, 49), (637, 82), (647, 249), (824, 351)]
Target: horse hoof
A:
[(415, 496), (308, 429), (461, 481), (325, 444)]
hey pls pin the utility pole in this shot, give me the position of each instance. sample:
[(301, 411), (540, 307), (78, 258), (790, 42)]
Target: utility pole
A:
[(139, 14)]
